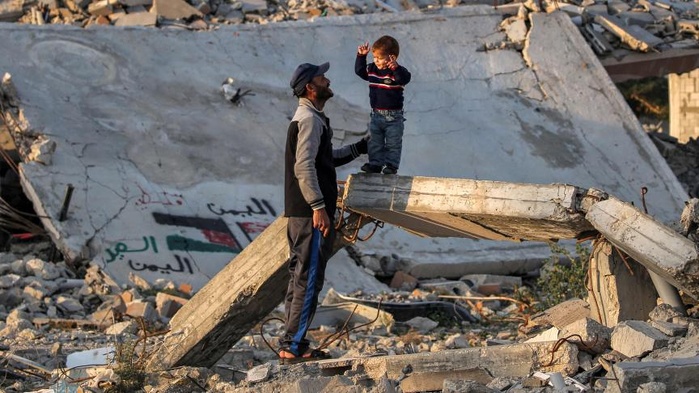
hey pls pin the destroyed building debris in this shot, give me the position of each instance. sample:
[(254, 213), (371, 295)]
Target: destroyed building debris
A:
[(601, 348), (566, 346)]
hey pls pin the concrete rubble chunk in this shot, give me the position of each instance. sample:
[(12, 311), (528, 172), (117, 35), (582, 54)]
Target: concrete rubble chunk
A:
[(11, 10), (599, 42), (514, 360), (664, 313), (588, 334), (634, 36), (619, 289), (435, 380), (101, 8), (174, 9), (562, 314), (669, 329), (637, 338), (676, 374), (137, 19)]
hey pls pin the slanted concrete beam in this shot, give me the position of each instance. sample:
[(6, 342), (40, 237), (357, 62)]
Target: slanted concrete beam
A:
[(656, 246), (242, 294), (440, 207)]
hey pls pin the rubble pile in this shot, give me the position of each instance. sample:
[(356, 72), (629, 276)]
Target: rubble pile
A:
[(59, 332), (683, 159), (609, 26)]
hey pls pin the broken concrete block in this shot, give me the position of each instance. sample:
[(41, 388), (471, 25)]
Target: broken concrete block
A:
[(637, 338), (42, 150), (39, 268), (676, 374), (617, 6), (550, 334), (141, 309), (669, 329), (254, 6), (121, 328), (562, 314), (11, 10), (598, 9), (259, 373), (595, 336), (167, 305), (597, 40), (403, 281), (434, 381), (664, 313), (69, 305), (620, 290), (137, 19), (422, 324), (101, 8), (634, 36), (174, 9), (515, 29), (631, 18)]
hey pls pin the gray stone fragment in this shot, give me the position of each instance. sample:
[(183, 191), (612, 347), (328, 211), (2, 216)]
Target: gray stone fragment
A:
[(637, 338), (676, 374)]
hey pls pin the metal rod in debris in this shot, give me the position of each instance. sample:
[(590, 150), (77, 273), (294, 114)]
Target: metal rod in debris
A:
[(66, 203)]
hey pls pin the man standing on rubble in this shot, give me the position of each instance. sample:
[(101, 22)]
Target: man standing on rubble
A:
[(310, 196)]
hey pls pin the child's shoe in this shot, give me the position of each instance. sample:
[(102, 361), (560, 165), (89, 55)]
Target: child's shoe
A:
[(369, 168), (390, 170)]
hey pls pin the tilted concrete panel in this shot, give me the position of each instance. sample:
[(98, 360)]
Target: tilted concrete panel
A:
[(436, 207), (172, 181)]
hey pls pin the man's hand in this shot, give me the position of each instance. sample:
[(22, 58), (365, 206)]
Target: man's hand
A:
[(363, 145), (363, 49), (321, 221)]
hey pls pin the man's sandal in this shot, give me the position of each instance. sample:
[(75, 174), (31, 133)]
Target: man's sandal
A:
[(287, 357)]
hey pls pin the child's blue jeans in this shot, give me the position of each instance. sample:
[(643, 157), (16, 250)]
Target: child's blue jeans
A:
[(386, 143)]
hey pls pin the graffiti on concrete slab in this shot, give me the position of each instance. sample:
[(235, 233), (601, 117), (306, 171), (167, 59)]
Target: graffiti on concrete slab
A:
[(122, 248), (252, 229), (163, 198), (183, 266), (215, 230), (261, 207)]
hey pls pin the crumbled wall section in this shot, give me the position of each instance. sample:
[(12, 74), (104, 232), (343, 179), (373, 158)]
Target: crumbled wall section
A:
[(684, 105)]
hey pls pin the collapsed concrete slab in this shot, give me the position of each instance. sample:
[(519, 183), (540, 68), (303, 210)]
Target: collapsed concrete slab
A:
[(438, 207), (170, 180), (659, 248)]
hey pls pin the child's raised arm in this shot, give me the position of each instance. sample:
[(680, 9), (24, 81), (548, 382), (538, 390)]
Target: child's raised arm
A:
[(363, 49)]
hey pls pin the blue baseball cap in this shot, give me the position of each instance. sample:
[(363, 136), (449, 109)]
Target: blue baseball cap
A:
[(304, 74)]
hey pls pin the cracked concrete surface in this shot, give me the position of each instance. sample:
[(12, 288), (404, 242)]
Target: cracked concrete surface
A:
[(171, 180)]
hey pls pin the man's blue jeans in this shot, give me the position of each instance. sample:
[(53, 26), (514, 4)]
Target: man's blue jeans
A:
[(386, 141)]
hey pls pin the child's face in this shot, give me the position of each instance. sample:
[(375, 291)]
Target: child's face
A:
[(380, 59)]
